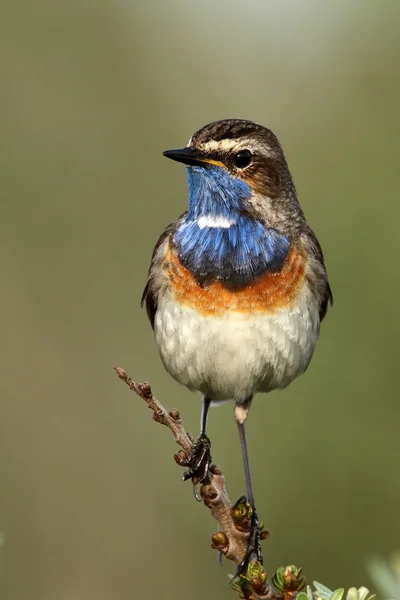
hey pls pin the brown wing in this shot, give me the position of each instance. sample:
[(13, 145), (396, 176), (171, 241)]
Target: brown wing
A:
[(324, 289), (149, 296), (324, 304)]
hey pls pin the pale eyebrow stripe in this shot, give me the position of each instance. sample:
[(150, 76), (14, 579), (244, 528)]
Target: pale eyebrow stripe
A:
[(224, 145), (237, 145)]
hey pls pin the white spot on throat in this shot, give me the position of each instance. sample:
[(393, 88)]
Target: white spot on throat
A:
[(211, 221)]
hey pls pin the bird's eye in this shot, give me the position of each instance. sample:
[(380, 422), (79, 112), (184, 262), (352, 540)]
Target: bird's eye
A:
[(242, 159)]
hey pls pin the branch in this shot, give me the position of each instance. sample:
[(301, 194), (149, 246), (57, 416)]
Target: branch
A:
[(234, 521)]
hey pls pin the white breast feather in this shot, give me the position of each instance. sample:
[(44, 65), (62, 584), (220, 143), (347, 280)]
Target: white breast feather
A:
[(217, 222), (237, 355)]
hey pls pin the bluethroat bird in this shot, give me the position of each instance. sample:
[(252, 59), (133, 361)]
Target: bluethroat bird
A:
[(237, 286)]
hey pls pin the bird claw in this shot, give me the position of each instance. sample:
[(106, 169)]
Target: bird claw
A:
[(196, 494), (253, 546), (199, 459)]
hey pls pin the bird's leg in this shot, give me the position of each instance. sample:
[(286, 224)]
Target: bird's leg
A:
[(254, 543), (199, 459)]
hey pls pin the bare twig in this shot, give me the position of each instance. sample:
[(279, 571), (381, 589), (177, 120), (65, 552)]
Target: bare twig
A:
[(234, 521)]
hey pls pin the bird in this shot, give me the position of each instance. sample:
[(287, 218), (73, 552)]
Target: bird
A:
[(237, 287)]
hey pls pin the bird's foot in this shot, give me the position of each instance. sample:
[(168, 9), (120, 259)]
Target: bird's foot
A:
[(199, 459), (253, 551)]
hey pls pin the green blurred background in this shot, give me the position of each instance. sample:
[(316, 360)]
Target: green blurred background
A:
[(92, 506)]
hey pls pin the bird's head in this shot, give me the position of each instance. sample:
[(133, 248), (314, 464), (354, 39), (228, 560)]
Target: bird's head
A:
[(237, 166)]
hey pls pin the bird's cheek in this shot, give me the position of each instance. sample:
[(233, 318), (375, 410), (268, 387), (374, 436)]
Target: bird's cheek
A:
[(263, 181)]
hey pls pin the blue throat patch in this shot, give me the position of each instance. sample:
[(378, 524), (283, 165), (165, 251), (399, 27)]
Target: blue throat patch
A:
[(236, 254)]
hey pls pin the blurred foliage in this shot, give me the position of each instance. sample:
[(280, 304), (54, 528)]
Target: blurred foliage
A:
[(92, 93), (324, 593), (287, 583), (386, 575)]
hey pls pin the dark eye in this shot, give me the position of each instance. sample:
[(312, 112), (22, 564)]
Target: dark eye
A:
[(242, 159)]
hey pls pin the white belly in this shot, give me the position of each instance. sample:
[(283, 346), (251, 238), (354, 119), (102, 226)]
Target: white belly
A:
[(235, 356)]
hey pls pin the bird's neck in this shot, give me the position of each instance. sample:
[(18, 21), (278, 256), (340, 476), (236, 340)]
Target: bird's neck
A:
[(218, 240)]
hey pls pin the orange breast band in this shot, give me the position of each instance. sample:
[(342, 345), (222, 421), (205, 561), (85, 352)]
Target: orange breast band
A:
[(267, 293)]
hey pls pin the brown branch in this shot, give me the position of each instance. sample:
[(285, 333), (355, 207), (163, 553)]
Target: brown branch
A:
[(234, 521)]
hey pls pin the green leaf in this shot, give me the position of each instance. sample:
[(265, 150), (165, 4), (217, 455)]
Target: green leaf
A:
[(322, 591), (352, 594), (363, 594), (277, 578), (309, 593), (338, 594)]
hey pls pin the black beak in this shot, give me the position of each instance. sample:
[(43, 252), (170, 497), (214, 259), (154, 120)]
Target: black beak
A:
[(188, 156)]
